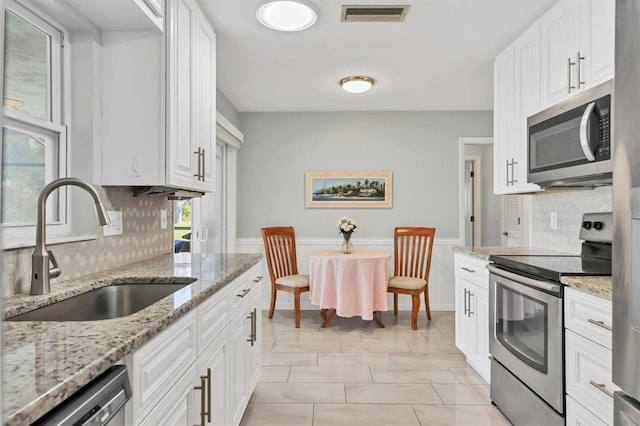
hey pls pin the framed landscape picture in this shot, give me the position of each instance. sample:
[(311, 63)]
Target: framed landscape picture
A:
[(349, 189)]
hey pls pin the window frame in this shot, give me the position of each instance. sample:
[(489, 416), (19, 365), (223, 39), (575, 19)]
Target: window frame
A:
[(58, 111)]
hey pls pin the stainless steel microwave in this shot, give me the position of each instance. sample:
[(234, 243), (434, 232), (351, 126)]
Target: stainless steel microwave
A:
[(570, 143)]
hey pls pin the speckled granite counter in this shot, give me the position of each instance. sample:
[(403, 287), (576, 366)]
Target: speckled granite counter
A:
[(483, 252), (596, 285), (45, 362)]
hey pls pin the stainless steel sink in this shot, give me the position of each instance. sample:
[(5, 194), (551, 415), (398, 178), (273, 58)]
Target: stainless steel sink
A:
[(113, 301)]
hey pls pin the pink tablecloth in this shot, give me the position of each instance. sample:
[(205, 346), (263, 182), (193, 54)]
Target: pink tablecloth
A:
[(353, 284)]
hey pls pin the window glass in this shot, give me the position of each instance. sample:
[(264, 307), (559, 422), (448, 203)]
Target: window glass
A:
[(26, 63), (28, 163)]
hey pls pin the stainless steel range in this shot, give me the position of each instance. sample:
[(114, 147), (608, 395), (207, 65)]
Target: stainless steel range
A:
[(526, 324)]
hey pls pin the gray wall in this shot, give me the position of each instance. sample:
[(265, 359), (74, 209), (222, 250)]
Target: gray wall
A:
[(420, 148), (226, 108)]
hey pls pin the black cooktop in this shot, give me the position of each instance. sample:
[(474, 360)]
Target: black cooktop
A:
[(554, 267)]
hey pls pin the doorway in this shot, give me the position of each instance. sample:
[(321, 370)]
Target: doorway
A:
[(480, 211)]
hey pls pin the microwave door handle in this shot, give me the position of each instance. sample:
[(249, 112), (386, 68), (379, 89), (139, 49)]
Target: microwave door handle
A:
[(584, 132)]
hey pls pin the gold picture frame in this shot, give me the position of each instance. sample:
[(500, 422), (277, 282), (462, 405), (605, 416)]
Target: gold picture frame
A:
[(348, 189)]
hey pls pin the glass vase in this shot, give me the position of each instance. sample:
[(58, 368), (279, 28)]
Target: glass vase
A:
[(347, 246)]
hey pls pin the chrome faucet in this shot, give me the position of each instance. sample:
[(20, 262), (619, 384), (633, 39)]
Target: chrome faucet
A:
[(40, 270)]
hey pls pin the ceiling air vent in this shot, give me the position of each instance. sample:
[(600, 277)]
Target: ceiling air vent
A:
[(393, 13)]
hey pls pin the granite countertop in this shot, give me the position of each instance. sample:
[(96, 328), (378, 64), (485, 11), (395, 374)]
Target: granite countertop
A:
[(483, 252), (596, 285), (45, 362)]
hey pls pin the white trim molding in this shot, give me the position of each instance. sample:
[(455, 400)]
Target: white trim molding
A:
[(441, 282)]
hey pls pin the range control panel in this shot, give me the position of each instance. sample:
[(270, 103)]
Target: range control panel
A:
[(597, 227)]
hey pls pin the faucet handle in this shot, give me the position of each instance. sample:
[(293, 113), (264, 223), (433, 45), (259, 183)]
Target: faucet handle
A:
[(54, 271)]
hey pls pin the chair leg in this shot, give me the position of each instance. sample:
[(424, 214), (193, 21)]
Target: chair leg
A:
[(296, 306), (395, 303), (273, 302), (426, 302), (415, 307)]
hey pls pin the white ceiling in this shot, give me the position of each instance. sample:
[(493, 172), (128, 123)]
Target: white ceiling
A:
[(440, 58)]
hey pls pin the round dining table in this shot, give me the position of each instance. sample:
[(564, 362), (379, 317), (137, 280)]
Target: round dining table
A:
[(351, 285)]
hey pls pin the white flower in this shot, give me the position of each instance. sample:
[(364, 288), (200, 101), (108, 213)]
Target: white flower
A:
[(346, 225)]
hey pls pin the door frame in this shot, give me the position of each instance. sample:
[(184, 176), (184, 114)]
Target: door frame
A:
[(477, 199), (461, 188)]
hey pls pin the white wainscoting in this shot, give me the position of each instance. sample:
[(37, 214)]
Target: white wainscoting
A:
[(441, 281)]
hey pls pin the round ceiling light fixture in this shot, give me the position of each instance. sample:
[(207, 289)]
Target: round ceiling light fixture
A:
[(286, 15), (356, 84)]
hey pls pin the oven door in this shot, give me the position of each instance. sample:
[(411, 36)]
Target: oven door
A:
[(526, 332)]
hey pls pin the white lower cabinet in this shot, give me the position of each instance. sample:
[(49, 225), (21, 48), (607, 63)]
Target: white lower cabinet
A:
[(203, 368), (472, 312), (589, 384)]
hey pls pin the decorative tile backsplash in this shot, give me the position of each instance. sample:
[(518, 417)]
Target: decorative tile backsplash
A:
[(142, 239), (569, 205)]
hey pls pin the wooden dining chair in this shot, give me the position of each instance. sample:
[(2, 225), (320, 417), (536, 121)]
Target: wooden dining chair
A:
[(412, 247), (280, 250)]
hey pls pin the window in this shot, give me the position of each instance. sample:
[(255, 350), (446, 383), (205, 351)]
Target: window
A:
[(34, 142)]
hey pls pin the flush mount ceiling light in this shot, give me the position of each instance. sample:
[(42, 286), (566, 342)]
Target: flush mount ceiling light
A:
[(356, 84), (286, 15)]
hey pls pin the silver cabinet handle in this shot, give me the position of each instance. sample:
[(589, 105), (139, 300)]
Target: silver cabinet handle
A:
[(198, 153), (203, 165), (578, 72), (464, 268), (600, 324), (508, 182), (513, 171), (244, 292), (255, 325), (470, 312), (252, 336), (465, 302), (569, 65), (257, 279), (208, 377), (201, 388), (602, 387)]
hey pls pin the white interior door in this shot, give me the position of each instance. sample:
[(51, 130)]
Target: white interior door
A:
[(469, 203), (511, 220)]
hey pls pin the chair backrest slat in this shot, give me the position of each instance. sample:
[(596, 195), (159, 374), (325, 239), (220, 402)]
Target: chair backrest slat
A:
[(280, 251), (412, 251)]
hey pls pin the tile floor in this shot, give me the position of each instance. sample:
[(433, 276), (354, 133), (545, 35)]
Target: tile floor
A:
[(354, 373)]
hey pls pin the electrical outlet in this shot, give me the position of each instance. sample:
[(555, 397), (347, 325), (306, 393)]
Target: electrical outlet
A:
[(163, 218), (553, 220), (116, 225)]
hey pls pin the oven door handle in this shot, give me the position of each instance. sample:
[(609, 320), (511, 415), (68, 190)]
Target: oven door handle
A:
[(554, 288)]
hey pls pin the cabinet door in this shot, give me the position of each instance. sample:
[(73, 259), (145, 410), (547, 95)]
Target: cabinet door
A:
[(465, 332), (482, 364), (240, 331), (181, 159), (180, 406), (560, 33), (216, 359), (205, 101), (526, 102), (600, 42), (502, 119)]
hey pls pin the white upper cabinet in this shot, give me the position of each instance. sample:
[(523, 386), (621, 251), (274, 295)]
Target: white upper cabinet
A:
[(191, 97), (159, 103), (569, 49), (577, 50), (516, 97)]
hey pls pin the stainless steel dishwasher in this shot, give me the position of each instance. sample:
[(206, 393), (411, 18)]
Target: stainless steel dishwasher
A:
[(97, 403)]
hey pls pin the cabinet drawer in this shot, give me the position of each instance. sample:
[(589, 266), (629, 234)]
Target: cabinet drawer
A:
[(589, 375), (161, 362), (213, 316), (245, 285), (588, 315), (472, 269), (577, 415)]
